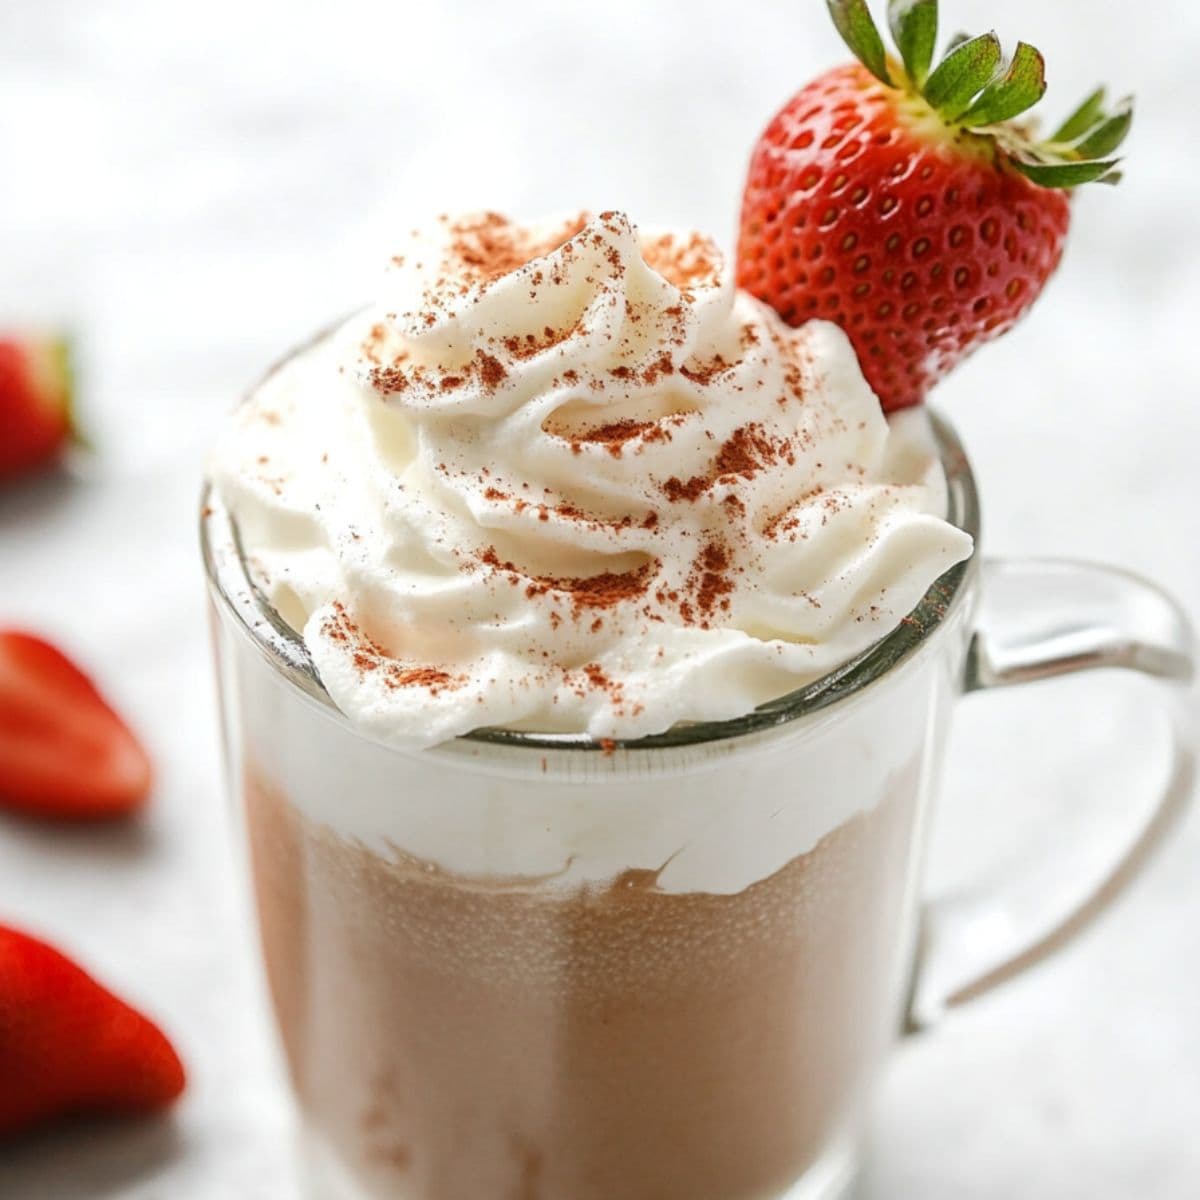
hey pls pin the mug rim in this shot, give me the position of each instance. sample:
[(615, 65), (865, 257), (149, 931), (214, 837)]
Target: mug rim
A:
[(284, 648)]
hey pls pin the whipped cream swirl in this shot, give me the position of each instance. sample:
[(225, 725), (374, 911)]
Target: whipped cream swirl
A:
[(567, 477)]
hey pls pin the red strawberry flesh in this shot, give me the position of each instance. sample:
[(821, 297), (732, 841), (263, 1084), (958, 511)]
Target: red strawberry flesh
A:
[(35, 402), (68, 1045), (64, 752)]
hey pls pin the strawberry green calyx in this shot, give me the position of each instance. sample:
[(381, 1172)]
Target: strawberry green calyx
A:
[(975, 88), (61, 353), (51, 360), (914, 26), (51, 365), (854, 22)]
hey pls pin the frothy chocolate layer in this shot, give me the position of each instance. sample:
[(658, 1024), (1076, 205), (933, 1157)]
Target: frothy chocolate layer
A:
[(453, 1040)]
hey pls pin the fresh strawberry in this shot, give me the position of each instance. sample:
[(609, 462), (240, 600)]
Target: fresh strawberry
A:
[(35, 402), (63, 751), (67, 1045), (903, 202)]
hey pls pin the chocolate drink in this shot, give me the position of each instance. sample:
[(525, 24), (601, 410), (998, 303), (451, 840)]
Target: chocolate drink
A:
[(555, 904), (453, 1040)]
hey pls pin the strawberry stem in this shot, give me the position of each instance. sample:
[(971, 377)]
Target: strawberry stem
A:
[(973, 88)]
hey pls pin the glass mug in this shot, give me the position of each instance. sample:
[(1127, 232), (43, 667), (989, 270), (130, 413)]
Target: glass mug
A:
[(705, 1022)]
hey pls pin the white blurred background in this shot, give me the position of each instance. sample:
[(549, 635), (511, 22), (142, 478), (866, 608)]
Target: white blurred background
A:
[(192, 188)]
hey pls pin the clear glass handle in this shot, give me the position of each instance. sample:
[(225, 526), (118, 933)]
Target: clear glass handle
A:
[(1042, 618)]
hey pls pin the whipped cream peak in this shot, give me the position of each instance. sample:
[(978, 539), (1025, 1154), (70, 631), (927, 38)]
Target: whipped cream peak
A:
[(477, 302), (566, 477)]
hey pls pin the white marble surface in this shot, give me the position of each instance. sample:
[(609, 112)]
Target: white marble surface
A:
[(192, 187)]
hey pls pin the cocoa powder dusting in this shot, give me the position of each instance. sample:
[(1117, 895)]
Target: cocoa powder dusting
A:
[(685, 262), (394, 377), (426, 677), (531, 344), (711, 578), (373, 342), (596, 676), (369, 656), (663, 365), (389, 379), (746, 452), (615, 434), (490, 245), (677, 490), (491, 370), (605, 590), (704, 373)]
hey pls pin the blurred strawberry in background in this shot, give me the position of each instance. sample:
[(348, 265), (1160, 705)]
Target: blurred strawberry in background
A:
[(68, 1045), (36, 424), (64, 752)]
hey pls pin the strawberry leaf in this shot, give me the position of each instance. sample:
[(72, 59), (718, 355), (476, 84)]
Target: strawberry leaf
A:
[(1082, 119), (1064, 174), (853, 21), (962, 74), (1104, 137), (914, 25), (1018, 89), (59, 349)]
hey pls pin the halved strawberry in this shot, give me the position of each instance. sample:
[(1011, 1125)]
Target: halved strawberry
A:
[(68, 1045), (35, 401), (906, 202), (63, 751)]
